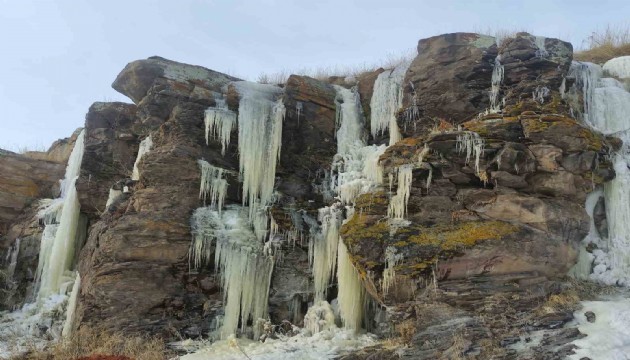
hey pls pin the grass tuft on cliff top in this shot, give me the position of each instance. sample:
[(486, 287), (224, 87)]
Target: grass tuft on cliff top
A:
[(601, 46)]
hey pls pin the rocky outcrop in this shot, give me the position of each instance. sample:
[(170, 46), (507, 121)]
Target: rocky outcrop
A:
[(24, 180), (110, 147), (449, 79), (134, 267)]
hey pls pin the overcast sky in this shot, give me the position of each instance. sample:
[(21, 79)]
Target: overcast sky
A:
[(58, 57)]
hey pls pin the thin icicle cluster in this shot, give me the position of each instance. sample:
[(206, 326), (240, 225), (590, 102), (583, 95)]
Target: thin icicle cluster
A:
[(219, 122), (213, 185), (323, 249), (496, 81), (471, 144), (351, 295), (392, 259), (143, 149), (386, 101), (398, 203)]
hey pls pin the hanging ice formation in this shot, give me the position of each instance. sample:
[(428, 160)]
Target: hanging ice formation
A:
[(237, 233), (497, 79), (245, 271), (471, 144), (145, 147), (606, 107), (351, 293), (58, 239), (323, 251), (260, 118), (392, 258), (219, 122), (213, 185), (398, 203), (386, 101)]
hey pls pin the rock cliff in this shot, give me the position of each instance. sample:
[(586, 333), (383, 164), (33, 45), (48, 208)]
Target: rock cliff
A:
[(493, 210)]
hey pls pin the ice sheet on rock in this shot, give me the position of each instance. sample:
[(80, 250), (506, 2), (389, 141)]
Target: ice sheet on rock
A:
[(143, 149)]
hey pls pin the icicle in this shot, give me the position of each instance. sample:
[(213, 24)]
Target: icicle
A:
[(203, 223), (260, 120), (239, 259), (472, 145), (386, 101), (219, 122), (72, 307), (212, 184), (143, 149), (392, 259), (398, 203), (351, 294), (497, 79), (324, 250)]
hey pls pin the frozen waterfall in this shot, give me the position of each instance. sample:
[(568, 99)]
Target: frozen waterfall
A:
[(606, 108), (386, 101)]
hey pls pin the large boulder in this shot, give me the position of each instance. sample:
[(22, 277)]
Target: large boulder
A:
[(110, 147), (449, 79), (138, 77)]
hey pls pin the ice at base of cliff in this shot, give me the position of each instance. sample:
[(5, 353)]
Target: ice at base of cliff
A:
[(327, 344), (32, 326), (608, 338)]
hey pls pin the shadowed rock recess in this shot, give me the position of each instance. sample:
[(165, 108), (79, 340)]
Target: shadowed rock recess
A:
[(493, 213)]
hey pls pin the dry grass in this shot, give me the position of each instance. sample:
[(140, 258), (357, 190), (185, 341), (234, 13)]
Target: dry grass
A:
[(577, 291), (324, 73), (89, 342), (601, 46)]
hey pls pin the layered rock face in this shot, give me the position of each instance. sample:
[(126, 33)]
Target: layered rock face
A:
[(490, 218)]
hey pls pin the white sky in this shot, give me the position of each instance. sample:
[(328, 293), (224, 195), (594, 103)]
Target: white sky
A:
[(58, 57)]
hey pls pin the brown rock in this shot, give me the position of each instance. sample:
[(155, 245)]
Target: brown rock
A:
[(450, 77)]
